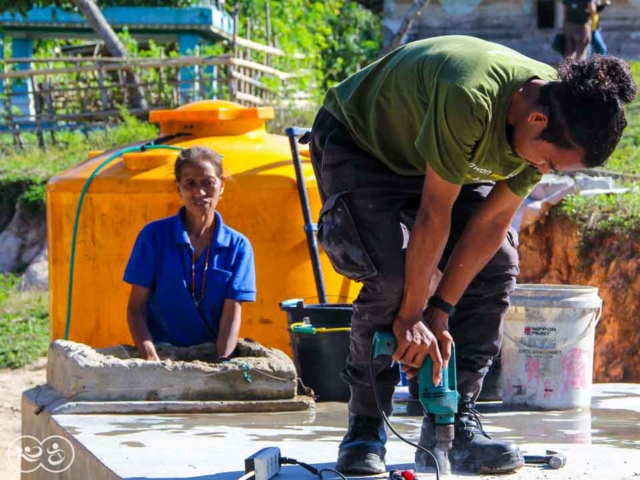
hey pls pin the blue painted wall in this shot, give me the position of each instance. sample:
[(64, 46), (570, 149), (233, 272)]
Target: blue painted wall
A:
[(133, 18)]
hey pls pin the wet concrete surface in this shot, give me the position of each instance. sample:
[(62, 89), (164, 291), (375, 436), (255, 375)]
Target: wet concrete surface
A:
[(603, 443)]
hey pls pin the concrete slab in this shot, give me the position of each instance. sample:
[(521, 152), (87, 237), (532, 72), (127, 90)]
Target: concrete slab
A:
[(117, 374), (603, 443), (57, 404)]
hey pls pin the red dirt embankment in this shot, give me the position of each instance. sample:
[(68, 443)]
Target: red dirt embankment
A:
[(549, 253)]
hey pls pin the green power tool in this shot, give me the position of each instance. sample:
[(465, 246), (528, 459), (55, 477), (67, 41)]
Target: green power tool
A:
[(441, 401)]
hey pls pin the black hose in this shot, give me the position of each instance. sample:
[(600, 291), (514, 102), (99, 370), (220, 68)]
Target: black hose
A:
[(309, 227)]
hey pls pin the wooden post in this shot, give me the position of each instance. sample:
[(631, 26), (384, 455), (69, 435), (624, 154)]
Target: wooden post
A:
[(104, 98), (267, 7), (15, 129), (233, 84), (201, 84), (37, 103), (247, 87), (49, 108), (81, 94), (123, 88), (161, 82)]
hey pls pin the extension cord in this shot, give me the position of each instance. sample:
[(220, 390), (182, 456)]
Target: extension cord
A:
[(265, 463)]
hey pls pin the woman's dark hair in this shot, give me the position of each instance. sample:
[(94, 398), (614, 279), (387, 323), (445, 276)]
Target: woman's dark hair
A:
[(586, 106), (197, 154)]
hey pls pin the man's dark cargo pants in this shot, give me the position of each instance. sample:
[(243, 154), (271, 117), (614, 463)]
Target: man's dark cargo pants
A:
[(364, 226)]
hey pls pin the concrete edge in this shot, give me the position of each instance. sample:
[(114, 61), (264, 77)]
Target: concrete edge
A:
[(38, 422), (48, 399)]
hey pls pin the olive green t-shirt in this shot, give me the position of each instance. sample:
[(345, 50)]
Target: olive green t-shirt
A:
[(577, 11), (441, 102)]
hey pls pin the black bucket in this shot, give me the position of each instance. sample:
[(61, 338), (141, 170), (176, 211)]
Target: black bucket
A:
[(320, 344)]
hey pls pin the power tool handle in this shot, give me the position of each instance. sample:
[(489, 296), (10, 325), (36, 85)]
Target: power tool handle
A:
[(384, 343)]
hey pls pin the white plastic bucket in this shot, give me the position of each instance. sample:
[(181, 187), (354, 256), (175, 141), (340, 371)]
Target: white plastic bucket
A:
[(547, 350)]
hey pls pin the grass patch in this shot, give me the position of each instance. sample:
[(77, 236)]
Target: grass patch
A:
[(605, 215), (23, 173), (24, 324), (609, 224), (626, 158), (72, 148)]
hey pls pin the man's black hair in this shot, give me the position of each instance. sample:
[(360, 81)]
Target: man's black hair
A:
[(585, 106)]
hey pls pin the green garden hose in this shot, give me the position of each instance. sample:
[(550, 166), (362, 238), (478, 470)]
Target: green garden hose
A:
[(139, 148), (301, 327)]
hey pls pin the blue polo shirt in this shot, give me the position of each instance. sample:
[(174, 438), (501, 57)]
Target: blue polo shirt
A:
[(161, 262)]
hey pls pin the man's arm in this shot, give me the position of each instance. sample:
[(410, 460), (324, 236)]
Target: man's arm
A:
[(479, 242), (426, 244)]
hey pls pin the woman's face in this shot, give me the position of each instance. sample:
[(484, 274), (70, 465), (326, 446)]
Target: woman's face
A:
[(199, 187)]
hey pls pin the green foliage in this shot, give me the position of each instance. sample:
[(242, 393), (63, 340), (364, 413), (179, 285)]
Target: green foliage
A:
[(10, 190), (290, 116), (151, 76), (6, 44), (626, 158), (354, 38), (23, 173), (613, 220), (8, 283), (33, 199), (334, 37), (24, 324)]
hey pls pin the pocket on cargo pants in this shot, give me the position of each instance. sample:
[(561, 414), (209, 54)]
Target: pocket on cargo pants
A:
[(340, 239)]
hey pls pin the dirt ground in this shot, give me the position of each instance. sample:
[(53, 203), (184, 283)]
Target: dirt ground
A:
[(12, 384)]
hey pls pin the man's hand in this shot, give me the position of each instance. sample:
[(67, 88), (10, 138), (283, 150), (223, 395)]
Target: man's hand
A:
[(415, 342), (438, 323)]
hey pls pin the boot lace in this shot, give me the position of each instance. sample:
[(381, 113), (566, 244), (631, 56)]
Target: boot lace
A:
[(471, 419)]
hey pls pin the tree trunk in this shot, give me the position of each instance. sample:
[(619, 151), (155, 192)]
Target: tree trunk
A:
[(405, 26), (114, 46)]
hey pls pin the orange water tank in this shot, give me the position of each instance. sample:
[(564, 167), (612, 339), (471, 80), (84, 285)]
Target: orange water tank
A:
[(261, 201)]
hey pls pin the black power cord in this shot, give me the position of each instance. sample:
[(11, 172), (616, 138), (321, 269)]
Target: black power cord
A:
[(376, 394), (310, 468)]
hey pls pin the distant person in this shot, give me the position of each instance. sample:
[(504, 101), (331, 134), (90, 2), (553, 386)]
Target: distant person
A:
[(598, 45), (190, 273), (576, 25)]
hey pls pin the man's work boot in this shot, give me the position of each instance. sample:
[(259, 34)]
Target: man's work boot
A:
[(362, 448), (474, 451), (425, 462)]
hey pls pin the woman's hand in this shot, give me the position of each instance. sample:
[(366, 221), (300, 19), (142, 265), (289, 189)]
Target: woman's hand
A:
[(229, 328), (148, 351), (136, 319)]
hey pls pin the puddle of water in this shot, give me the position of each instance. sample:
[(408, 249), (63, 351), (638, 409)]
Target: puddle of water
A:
[(73, 430), (610, 426), (133, 444)]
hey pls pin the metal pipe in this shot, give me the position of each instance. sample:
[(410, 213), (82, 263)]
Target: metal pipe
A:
[(309, 226)]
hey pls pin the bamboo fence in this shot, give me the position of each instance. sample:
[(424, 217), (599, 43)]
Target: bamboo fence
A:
[(81, 92)]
